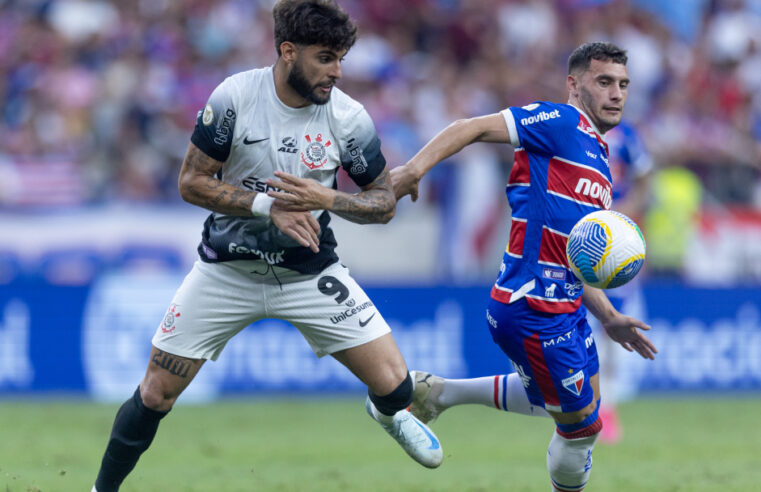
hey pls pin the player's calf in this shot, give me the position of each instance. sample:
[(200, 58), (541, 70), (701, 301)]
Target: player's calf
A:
[(569, 455), (134, 429), (433, 394)]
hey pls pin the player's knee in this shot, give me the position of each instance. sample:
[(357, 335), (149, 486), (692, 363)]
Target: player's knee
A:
[(578, 416), (155, 397), (569, 455), (589, 426), (397, 400)]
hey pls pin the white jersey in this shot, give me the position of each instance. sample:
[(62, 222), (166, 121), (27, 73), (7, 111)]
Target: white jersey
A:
[(248, 128)]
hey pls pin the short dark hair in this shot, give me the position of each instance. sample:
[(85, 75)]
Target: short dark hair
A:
[(584, 54), (313, 22)]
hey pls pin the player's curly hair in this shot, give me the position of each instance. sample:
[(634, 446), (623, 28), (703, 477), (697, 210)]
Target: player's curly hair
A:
[(584, 54), (313, 22)]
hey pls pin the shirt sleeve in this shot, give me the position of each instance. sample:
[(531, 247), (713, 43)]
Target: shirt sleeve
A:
[(361, 154), (537, 127), (215, 124)]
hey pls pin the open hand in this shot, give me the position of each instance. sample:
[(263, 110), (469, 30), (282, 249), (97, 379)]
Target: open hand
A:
[(626, 331)]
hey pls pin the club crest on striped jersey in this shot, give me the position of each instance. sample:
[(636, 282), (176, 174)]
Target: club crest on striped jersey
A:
[(315, 154), (574, 383)]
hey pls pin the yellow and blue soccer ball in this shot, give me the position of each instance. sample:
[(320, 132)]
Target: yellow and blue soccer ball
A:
[(605, 249)]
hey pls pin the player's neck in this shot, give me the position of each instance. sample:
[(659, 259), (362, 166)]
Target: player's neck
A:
[(283, 90), (596, 125)]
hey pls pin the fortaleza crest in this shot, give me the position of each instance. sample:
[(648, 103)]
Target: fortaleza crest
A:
[(574, 383), (315, 155)]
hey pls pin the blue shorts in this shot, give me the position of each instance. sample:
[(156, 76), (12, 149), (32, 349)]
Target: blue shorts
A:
[(554, 354)]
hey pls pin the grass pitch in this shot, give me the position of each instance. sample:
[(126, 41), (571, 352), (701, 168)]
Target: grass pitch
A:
[(689, 445)]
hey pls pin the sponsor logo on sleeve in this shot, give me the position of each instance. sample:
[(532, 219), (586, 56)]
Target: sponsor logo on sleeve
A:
[(358, 162), (543, 116), (224, 128)]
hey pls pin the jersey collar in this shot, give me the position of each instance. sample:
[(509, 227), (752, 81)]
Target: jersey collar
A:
[(589, 125)]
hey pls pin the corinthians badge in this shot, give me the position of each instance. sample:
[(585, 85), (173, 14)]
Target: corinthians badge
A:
[(315, 155)]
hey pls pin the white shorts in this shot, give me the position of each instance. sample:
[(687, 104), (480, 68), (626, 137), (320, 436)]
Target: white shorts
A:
[(217, 300)]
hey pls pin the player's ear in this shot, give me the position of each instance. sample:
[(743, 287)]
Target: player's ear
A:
[(288, 51), (572, 84)]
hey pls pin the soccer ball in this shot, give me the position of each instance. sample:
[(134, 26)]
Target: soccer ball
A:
[(605, 249)]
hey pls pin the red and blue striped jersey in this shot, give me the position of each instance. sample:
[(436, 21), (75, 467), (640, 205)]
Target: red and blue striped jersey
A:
[(560, 174)]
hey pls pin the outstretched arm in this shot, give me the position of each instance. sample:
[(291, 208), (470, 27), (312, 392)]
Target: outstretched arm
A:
[(452, 139), (620, 328), (374, 204), (199, 185)]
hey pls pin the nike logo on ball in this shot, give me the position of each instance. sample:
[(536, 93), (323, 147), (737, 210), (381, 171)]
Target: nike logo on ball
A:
[(364, 323), (246, 141)]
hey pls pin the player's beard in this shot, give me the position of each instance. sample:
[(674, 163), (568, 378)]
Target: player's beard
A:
[(602, 123), (299, 83)]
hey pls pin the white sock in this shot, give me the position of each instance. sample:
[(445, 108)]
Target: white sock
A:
[(569, 462), (380, 416), (500, 392), (516, 399)]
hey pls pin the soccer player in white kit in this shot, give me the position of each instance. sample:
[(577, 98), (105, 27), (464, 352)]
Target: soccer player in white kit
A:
[(263, 158)]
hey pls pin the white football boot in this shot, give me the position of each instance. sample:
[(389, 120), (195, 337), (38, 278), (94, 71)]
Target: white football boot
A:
[(414, 436), (425, 396)]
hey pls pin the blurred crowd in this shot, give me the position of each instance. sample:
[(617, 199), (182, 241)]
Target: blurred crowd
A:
[(99, 98)]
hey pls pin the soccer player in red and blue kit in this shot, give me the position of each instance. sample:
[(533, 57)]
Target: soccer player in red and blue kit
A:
[(535, 313)]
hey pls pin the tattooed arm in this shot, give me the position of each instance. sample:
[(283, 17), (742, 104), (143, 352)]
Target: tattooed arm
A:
[(375, 204), (199, 185)]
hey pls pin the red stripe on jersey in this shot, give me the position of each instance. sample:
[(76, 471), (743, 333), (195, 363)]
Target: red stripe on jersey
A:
[(587, 128), (500, 295), (533, 347), (517, 235), (520, 173), (556, 307), (496, 392), (578, 182), (552, 247)]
